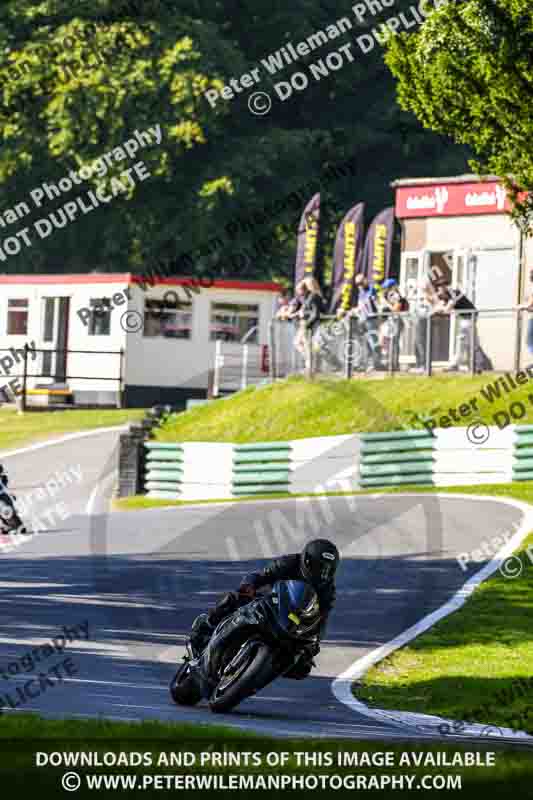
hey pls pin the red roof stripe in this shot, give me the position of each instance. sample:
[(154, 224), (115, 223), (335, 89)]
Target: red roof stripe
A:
[(128, 278)]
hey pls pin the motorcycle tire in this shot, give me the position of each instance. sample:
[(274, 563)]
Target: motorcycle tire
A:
[(183, 688), (257, 674)]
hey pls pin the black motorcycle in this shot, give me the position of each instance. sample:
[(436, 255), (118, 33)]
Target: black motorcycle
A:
[(10, 522), (258, 643)]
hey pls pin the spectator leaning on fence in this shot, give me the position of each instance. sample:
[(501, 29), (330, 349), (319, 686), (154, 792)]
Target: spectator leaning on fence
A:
[(528, 306), (454, 300), (426, 302), (367, 311), (295, 314), (309, 307), (394, 325)]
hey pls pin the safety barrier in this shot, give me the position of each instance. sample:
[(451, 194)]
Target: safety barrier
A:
[(389, 459), (202, 471), (188, 471), (164, 469), (261, 468), (444, 457), (327, 463), (523, 453)]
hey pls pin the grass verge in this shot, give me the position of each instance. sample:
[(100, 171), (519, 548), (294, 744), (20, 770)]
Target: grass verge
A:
[(35, 426), (296, 409), (476, 664)]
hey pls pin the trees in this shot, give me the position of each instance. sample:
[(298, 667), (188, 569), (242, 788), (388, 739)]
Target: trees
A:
[(76, 82), (468, 74)]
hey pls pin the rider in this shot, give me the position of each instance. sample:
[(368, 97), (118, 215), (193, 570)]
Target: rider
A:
[(316, 565)]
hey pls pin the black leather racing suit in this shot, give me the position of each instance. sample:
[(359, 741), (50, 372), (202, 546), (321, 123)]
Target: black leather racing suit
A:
[(285, 568)]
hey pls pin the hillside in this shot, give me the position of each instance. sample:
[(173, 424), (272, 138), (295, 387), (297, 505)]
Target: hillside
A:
[(296, 409)]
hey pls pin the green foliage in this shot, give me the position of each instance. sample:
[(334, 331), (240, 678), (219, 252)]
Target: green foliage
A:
[(78, 79), (468, 74)]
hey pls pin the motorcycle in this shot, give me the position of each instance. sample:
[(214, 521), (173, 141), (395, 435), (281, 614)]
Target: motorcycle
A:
[(10, 522), (258, 643)]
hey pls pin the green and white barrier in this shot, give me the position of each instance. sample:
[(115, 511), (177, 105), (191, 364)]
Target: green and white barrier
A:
[(188, 471), (444, 457), (164, 469), (202, 471), (523, 453), (261, 468), (390, 459), (327, 463)]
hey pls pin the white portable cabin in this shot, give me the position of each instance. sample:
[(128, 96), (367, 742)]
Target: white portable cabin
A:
[(462, 227), (90, 335)]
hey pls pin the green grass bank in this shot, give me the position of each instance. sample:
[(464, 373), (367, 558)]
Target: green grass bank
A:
[(31, 427), (296, 408)]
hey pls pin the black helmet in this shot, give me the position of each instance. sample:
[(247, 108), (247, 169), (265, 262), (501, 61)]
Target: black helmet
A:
[(320, 559)]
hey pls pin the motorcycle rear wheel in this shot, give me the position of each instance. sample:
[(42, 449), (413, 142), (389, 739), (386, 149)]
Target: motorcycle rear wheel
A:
[(255, 676), (183, 688)]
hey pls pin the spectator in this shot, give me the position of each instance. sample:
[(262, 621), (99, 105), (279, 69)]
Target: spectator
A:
[(311, 310), (291, 334), (426, 301), (367, 312), (283, 305), (453, 300), (528, 306), (394, 326), (305, 307)]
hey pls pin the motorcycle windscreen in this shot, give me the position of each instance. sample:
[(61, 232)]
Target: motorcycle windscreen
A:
[(297, 604)]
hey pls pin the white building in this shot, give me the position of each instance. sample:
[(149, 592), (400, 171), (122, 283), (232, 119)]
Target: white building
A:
[(103, 332), (461, 227)]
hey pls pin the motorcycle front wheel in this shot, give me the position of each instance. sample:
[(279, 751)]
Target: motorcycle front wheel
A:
[(245, 681), (183, 688)]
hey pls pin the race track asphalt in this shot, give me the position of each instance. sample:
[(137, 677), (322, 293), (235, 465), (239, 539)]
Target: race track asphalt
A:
[(140, 578)]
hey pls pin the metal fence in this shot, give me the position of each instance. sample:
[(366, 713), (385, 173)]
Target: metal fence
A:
[(466, 341), (238, 366)]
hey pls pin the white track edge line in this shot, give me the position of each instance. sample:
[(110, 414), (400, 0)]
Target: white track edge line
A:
[(341, 686)]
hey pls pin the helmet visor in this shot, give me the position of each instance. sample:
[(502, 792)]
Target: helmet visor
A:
[(319, 569)]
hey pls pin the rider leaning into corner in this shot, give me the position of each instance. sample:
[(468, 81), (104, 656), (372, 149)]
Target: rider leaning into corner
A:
[(316, 564)]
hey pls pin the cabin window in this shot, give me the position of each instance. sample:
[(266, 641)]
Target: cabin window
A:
[(100, 319), (17, 317), (234, 322), (167, 319)]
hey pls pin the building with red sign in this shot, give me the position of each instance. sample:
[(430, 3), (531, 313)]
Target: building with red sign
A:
[(460, 227)]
